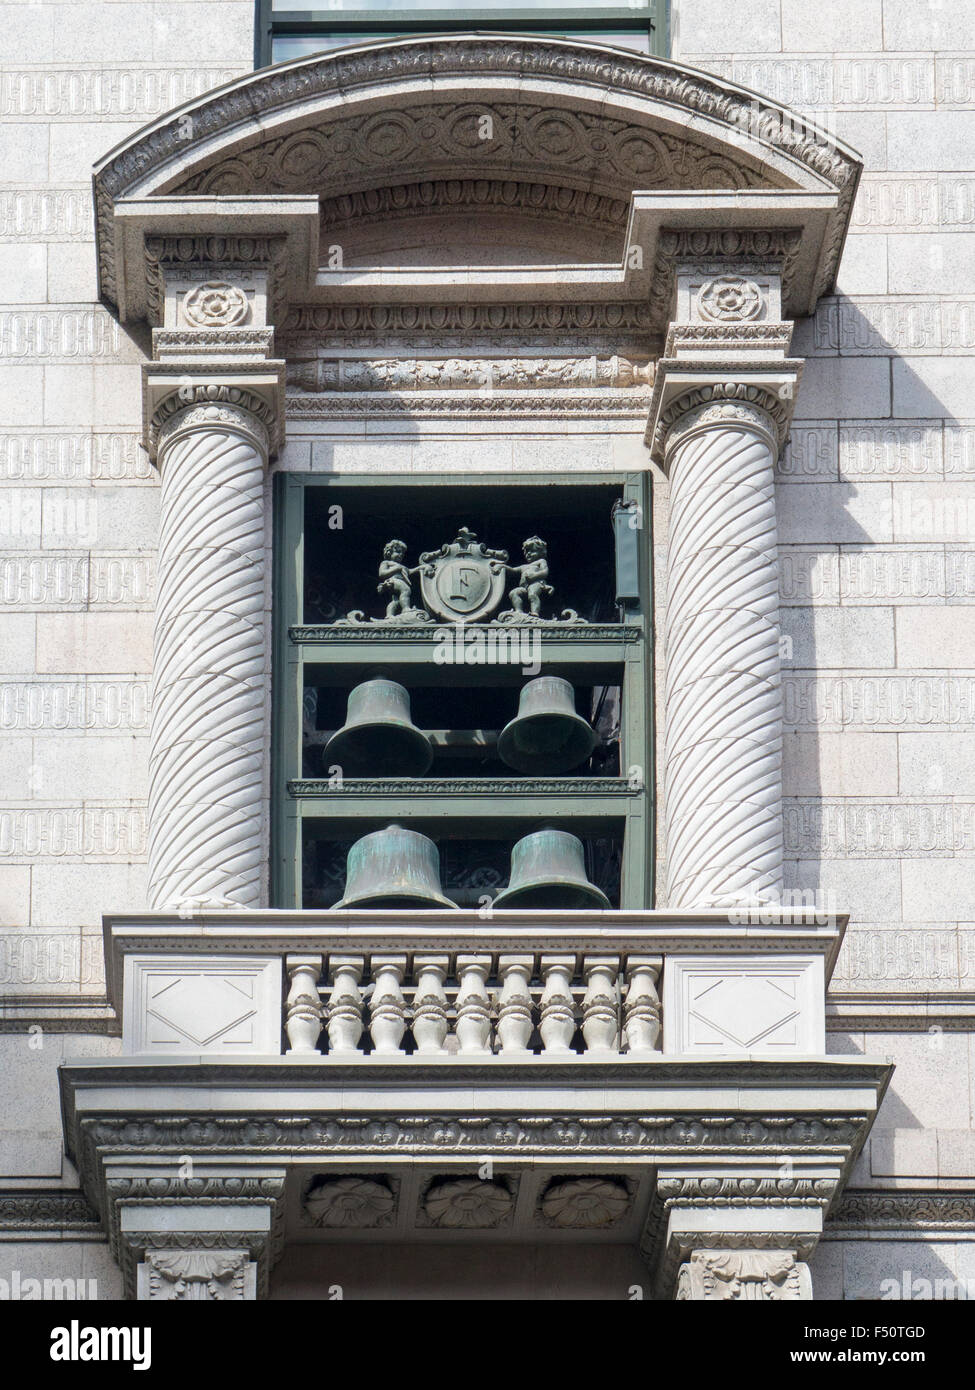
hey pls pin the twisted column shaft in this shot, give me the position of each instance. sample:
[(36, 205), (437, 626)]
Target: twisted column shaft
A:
[(208, 730), (723, 774)]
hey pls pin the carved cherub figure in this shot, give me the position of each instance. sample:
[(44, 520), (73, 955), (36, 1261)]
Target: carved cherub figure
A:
[(396, 579), (531, 587)]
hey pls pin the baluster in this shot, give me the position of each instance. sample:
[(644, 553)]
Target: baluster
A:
[(558, 1020), (345, 1005), (303, 1022), (515, 1005), (387, 1013), (430, 1004), (600, 1019), (641, 1009), (473, 1026)]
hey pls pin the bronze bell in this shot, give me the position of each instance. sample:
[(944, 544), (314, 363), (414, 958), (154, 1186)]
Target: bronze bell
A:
[(548, 869), (394, 867), (546, 735), (379, 738)]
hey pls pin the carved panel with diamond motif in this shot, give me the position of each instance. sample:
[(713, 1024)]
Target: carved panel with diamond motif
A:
[(216, 1006), (762, 1004)]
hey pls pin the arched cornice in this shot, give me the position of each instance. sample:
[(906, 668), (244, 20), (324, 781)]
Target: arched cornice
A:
[(564, 115)]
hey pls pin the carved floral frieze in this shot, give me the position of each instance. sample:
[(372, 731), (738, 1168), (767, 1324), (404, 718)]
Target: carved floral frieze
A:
[(467, 373), (434, 138)]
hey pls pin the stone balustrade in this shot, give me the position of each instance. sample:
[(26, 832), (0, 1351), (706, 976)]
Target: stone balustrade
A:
[(472, 1004)]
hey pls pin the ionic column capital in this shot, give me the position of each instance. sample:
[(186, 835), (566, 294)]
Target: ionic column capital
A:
[(757, 397), (200, 399)]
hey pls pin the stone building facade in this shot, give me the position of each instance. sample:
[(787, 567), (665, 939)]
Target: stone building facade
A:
[(734, 287)]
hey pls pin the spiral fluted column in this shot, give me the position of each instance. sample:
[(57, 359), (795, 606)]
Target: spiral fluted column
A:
[(723, 732), (208, 730)]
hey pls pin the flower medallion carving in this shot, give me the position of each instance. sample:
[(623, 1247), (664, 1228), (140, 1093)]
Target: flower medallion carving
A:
[(730, 298), (215, 304), (467, 1203), (584, 1203), (348, 1203)]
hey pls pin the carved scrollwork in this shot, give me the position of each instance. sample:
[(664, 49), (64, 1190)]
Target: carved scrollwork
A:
[(743, 1275), (433, 137), (207, 403), (211, 1275)]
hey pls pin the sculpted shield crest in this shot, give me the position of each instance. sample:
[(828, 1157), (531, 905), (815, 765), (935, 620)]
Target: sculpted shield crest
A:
[(463, 581)]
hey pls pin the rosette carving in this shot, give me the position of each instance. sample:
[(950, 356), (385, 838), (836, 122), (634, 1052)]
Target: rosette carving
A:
[(467, 1203), (585, 1203), (730, 298), (215, 304), (349, 1203)]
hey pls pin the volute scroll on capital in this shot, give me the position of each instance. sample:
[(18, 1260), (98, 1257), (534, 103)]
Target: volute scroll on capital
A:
[(735, 403), (194, 406)]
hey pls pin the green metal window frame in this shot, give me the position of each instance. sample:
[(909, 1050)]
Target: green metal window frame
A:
[(627, 645), (360, 24)]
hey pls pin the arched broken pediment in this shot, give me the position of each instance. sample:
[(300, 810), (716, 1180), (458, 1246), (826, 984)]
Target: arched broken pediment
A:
[(504, 150)]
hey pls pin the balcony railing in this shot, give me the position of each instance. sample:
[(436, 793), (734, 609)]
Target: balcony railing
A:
[(479, 1003), (430, 986)]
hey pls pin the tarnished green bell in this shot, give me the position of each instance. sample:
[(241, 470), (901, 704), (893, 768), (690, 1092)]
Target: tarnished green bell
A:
[(379, 738), (546, 736), (394, 867), (548, 869)]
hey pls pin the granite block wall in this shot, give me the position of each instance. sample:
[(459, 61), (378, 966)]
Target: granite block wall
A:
[(876, 498)]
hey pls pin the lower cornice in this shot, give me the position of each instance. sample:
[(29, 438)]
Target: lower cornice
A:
[(863, 1214), (85, 1014), (51, 1214), (636, 1110), (880, 1012)]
